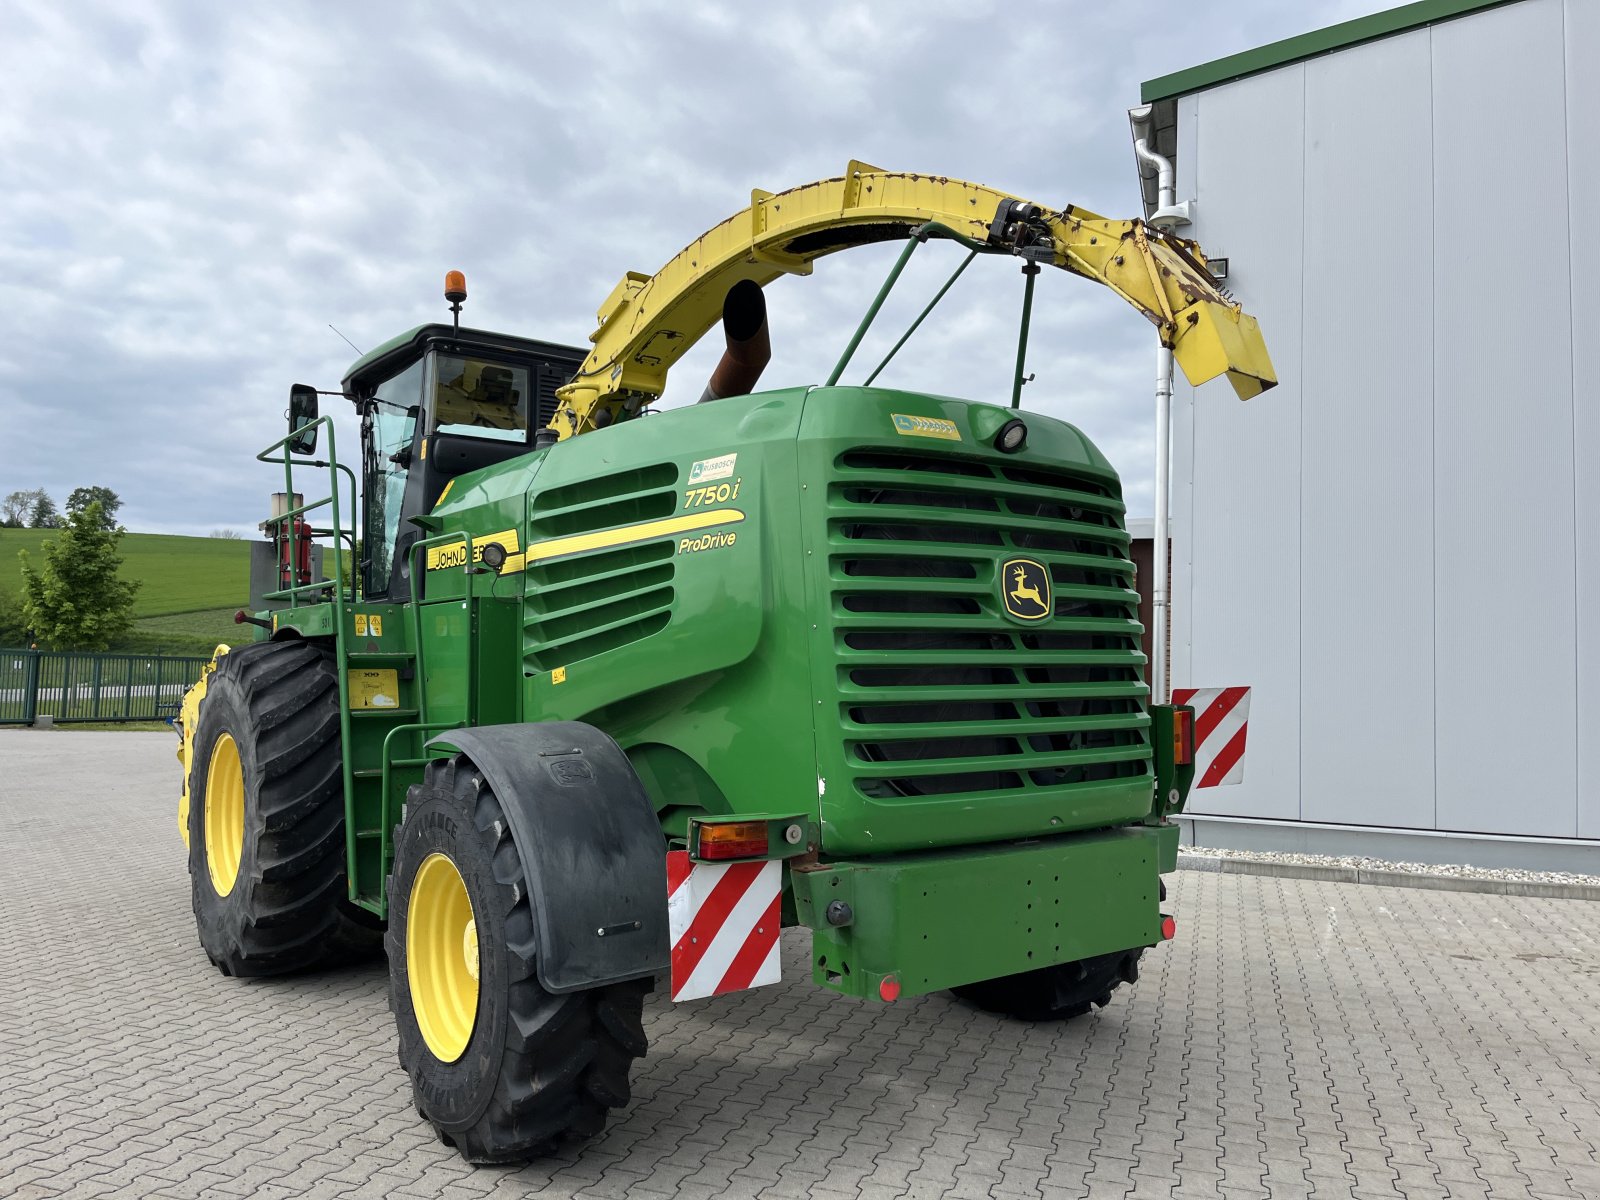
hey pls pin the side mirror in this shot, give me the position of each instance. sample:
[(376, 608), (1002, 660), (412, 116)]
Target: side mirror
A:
[(302, 416)]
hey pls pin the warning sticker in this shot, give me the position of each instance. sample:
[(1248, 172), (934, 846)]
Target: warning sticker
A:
[(374, 689)]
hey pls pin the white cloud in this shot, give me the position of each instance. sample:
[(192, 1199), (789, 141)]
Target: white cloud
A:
[(193, 192)]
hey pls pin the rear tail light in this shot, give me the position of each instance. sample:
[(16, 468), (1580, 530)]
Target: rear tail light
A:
[(1183, 736), (1169, 928), (733, 839)]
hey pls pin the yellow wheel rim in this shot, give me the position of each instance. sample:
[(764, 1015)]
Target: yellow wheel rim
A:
[(442, 957), (224, 815)]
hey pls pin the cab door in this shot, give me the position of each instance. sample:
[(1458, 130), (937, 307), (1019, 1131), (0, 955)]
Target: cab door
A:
[(389, 428)]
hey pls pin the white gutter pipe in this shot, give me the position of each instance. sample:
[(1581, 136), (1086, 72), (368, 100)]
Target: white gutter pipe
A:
[(1166, 187), (1166, 201)]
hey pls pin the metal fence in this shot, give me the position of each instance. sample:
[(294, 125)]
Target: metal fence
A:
[(92, 687)]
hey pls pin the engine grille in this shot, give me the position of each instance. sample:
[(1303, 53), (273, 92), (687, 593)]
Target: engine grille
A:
[(549, 377), (940, 694), (586, 604)]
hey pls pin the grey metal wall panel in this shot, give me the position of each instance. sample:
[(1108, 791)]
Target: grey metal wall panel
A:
[(1182, 518), (1504, 529), (1244, 593), (1583, 192), (1367, 704)]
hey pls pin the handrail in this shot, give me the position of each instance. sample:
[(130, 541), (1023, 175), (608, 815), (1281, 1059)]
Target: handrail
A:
[(286, 518), (387, 759), (385, 842), (293, 593), (338, 532)]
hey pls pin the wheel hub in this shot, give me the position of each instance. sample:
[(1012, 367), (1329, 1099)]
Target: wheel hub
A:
[(469, 948), (224, 814), (442, 957)]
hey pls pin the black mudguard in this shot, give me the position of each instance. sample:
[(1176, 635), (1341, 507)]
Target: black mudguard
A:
[(591, 845)]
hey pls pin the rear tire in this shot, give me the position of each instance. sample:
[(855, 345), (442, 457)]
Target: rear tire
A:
[(1056, 993), (268, 885), (530, 1069)]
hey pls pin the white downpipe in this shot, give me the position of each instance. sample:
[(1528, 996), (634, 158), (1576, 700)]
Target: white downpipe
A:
[(1167, 198), (1166, 186)]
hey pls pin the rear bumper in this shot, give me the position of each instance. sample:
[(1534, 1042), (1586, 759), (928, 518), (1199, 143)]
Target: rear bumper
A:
[(940, 920)]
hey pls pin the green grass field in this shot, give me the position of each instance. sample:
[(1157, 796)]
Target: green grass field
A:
[(189, 586), (186, 633), (176, 574)]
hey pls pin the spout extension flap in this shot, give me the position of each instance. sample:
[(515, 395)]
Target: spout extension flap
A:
[(1213, 339), (1165, 278)]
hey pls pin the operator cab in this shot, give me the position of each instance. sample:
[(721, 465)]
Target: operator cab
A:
[(436, 403)]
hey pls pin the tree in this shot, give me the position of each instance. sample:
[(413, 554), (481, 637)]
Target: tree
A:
[(108, 500), (78, 601), (14, 509), (231, 535), (13, 629), (43, 514)]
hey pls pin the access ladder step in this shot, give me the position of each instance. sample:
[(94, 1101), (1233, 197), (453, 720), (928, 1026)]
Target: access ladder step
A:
[(377, 772)]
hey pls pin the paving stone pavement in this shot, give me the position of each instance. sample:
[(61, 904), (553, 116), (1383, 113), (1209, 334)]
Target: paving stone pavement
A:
[(1298, 1039)]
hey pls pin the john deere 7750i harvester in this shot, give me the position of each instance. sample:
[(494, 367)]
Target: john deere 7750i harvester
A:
[(841, 656)]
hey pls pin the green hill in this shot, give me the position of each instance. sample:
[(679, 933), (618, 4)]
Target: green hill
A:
[(189, 589)]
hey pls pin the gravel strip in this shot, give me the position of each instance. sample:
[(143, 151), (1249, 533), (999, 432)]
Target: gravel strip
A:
[(1463, 877), (1361, 863)]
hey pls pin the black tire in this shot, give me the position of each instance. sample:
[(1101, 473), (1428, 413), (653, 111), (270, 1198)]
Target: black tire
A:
[(538, 1069), (1056, 993), (287, 909)]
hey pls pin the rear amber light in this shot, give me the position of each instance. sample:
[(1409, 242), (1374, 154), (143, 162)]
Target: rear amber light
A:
[(733, 839), (1183, 736)]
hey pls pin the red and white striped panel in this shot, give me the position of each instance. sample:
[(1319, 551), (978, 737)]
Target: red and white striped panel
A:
[(1221, 720), (723, 919)]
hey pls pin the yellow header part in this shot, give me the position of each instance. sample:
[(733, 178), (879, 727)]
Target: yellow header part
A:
[(188, 722), (648, 322)]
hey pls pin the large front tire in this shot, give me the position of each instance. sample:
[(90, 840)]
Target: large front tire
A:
[(266, 816), (505, 1070)]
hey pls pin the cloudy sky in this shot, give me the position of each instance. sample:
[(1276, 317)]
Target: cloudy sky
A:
[(191, 193)]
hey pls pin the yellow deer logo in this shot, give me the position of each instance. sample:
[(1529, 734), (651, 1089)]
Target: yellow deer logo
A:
[(1025, 589), (1022, 589)]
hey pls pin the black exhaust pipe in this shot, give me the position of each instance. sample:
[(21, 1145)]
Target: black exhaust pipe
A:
[(744, 324)]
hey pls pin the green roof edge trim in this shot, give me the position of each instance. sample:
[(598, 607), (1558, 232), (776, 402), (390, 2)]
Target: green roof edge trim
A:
[(389, 347), (1309, 45)]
